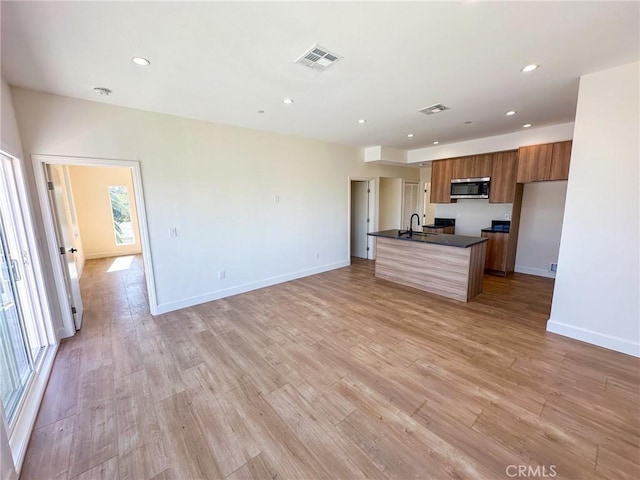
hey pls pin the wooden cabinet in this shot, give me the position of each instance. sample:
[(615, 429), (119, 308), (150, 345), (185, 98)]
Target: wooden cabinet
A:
[(442, 171), (474, 166), (478, 166), (496, 256), (534, 163), (441, 175), (560, 161), (451, 229), (504, 169), (538, 163)]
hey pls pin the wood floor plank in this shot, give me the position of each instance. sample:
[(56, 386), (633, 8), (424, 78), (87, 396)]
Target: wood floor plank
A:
[(141, 446), (334, 376), (187, 444), (255, 469), (224, 428), (49, 451), (95, 437), (107, 470), (61, 394)]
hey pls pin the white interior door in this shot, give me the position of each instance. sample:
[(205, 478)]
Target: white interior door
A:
[(65, 234), (359, 218), (410, 203)]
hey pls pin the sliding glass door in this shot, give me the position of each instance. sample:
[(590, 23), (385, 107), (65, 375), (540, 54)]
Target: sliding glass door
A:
[(16, 362), (23, 334)]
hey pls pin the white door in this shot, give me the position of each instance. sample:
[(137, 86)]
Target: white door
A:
[(359, 218), (65, 234), (410, 204)]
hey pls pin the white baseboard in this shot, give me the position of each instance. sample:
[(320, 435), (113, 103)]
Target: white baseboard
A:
[(589, 336), (93, 256), (540, 272), (247, 287)]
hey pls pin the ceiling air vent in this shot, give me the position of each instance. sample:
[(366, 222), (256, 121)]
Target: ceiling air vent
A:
[(318, 58), (433, 109)]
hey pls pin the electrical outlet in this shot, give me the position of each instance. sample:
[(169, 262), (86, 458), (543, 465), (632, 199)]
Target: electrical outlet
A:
[(317, 255), (222, 274), (553, 267), (173, 232), (507, 216), (276, 199)]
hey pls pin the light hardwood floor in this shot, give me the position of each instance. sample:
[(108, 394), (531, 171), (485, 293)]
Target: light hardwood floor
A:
[(339, 375)]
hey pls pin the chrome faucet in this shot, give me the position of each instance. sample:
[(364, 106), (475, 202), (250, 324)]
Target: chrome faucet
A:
[(411, 222)]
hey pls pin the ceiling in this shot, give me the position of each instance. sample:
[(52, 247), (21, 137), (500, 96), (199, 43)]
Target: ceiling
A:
[(224, 61)]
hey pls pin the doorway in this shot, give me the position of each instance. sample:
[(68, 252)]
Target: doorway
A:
[(124, 203), (361, 218)]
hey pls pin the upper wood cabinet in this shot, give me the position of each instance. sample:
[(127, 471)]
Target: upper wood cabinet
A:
[(538, 163), (560, 161), (534, 163), (472, 167), (441, 175), (504, 168)]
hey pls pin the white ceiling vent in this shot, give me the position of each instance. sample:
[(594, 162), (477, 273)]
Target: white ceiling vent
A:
[(433, 109), (318, 58)]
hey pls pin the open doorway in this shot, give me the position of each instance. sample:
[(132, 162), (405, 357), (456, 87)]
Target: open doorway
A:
[(92, 209), (361, 218)]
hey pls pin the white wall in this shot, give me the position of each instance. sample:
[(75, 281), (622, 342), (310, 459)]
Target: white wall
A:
[(9, 135), (390, 215), (472, 215), (540, 227), (597, 291), (216, 185), (93, 207)]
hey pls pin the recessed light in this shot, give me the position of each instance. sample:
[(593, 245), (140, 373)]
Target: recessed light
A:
[(410, 135), (529, 68), (362, 120), (143, 62), (102, 91), (287, 101), (526, 125), (436, 142), (510, 112)]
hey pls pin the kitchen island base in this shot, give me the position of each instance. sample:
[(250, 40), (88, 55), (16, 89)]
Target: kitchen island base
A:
[(448, 271)]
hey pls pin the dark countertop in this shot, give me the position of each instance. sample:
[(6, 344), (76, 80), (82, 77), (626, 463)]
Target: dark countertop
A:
[(441, 223), (498, 226), (459, 241)]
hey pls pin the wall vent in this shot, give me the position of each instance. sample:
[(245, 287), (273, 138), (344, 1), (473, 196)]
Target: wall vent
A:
[(318, 58), (433, 109)]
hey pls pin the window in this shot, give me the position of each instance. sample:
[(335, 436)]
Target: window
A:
[(121, 214)]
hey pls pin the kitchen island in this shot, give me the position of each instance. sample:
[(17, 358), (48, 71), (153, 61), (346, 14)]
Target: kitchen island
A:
[(447, 265)]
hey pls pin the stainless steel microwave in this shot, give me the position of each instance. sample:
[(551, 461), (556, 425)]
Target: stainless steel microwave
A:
[(470, 187)]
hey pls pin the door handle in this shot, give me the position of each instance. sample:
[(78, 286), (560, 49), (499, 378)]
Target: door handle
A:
[(73, 250), (15, 270)]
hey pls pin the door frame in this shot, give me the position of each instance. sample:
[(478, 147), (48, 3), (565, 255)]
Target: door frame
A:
[(373, 220), (39, 164)]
